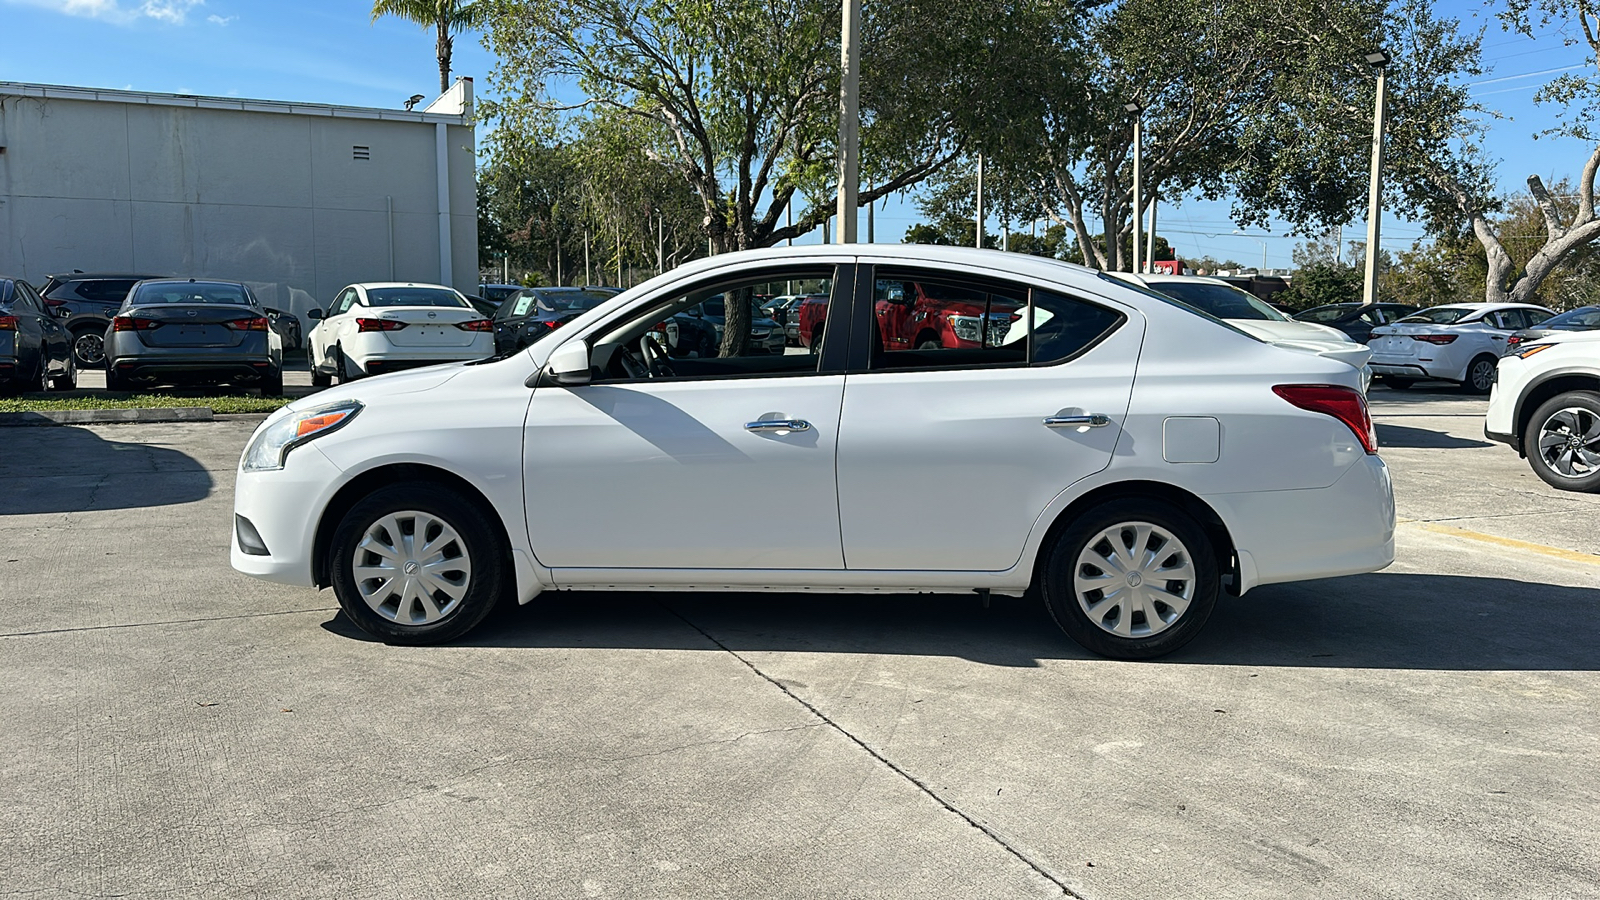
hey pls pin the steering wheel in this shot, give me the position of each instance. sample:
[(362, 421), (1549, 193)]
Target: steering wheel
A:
[(655, 358)]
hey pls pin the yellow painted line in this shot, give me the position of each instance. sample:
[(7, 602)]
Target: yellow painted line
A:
[(1512, 543)]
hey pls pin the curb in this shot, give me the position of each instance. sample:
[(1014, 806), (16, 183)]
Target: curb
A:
[(108, 416)]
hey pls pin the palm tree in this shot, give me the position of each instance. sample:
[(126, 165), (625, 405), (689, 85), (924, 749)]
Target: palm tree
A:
[(445, 16)]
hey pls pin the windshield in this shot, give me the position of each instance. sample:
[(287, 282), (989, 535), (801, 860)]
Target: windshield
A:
[(1323, 314), (1220, 300), (414, 296), (1439, 315), (552, 301), (188, 292), (1578, 319)]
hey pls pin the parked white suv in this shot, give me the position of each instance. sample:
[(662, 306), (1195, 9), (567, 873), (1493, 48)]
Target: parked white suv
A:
[(1545, 404), (1126, 455)]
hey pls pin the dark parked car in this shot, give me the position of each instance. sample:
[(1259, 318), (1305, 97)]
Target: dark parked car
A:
[(1355, 319), (485, 307), (88, 302), (35, 350), (497, 293), (532, 313), (766, 335), (1584, 318), (287, 325), (186, 332)]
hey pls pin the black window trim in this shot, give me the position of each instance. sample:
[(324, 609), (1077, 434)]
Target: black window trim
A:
[(864, 303), (833, 352)]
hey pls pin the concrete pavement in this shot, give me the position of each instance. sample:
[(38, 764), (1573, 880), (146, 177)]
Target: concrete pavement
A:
[(174, 728)]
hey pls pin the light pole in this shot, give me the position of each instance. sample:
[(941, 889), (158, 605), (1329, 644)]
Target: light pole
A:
[(978, 221), (1263, 269), (1134, 110), (1379, 61), (849, 121)]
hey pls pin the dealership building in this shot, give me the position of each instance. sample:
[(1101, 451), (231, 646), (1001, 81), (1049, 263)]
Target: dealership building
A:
[(295, 199)]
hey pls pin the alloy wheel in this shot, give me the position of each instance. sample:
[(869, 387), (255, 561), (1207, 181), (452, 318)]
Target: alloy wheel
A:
[(1134, 580), (412, 568), (90, 348), (1482, 376), (1569, 442)]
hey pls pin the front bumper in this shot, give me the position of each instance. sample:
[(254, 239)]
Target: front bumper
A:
[(284, 507)]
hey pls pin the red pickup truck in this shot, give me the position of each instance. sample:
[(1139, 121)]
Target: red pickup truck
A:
[(915, 315)]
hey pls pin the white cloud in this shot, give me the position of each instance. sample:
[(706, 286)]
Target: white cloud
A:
[(220, 20), (121, 12)]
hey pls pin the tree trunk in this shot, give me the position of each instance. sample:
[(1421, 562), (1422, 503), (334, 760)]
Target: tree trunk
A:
[(736, 321), (443, 49)]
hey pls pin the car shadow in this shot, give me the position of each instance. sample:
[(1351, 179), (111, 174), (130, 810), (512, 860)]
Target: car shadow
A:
[(55, 469), (1406, 436), (1378, 621)]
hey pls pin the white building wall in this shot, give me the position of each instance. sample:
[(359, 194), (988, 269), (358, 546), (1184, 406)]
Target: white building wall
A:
[(272, 194)]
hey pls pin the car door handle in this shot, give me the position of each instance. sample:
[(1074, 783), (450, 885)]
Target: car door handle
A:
[(778, 425), (1091, 421)]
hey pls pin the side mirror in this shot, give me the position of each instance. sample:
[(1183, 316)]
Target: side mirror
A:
[(314, 314), (570, 364)]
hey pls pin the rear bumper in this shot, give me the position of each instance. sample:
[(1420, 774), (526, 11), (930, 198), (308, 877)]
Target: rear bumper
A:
[(1346, 528), (1405, 370), (197, 366), (1510, 440)]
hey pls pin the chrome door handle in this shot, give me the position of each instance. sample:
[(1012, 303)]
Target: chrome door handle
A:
[(1094, 421), (778, 425)]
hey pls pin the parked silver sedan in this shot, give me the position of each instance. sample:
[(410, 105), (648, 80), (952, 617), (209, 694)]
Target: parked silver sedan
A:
[(187, 331)]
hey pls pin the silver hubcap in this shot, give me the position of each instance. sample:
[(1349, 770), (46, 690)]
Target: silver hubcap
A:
[(1569, 442), (412, 568), (1134, 580), (91, 348), (1483, 376)]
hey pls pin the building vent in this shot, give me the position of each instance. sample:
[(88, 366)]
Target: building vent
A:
[(360, 152)]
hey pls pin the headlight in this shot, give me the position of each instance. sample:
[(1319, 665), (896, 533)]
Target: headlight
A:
[(1526, 352), (968, 328), (273, 443)]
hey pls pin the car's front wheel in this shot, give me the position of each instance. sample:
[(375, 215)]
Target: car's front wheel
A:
[(1563, 442), (1131, 579), (90, 349), (416, 563)]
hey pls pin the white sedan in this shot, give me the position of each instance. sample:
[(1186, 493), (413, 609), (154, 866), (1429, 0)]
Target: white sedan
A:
[(1130, 460), (376, 328), (1460, 342), (1253, 316)]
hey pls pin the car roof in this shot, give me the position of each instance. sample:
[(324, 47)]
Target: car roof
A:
[(1482, 306), (193, 281), (1153, 278), (87, 276), (369, 285)]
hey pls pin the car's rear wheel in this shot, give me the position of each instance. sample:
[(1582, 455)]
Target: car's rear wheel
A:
[(1563, 442), (89, 347), (115, 381), (272, 385), (319, 378), (416, 563), (1480, 375), (1399, 384), (1131, 579), (68, 379)]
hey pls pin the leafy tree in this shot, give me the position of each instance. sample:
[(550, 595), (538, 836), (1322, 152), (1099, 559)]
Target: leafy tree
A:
[(446, 18), (1321, 283)]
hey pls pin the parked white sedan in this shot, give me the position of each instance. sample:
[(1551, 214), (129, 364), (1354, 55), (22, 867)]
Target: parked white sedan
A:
[(1254, 316), (376, 328), (1460, 342), (1131, 459)]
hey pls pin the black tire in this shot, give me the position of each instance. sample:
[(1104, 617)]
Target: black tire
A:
[(68, 379), (89, 348), (320, 379), (115, 381), (1061, 564), (272, 385), (479, 541), (1582, 408), (816, 342), (926, 342), (341, 369), (1399, 384), (1480, 374), (41, 384)]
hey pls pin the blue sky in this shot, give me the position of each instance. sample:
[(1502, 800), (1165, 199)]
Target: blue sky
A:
[(332, 52)]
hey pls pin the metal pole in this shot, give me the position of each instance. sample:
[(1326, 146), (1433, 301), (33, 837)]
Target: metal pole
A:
[(871, 237), (588, 273), (1369, 287), (1150, 243), (849, 121), (661, 243), (1138, 200), (788, 219), (978, 218)]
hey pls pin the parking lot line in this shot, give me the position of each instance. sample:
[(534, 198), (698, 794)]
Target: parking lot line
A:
[(1512, 543)]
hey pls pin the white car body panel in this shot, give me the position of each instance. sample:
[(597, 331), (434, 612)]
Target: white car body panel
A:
[(1294, 489), (1573, 353)]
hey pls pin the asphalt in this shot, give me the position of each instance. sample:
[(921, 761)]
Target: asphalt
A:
[(174, 728)]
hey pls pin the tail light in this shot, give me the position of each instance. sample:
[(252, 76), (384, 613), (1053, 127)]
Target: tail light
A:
[(476, 325), (259, 323), (1440, 339), (365, 325), (1514, 340), (8, 323), (128, 323), (1348, 405)]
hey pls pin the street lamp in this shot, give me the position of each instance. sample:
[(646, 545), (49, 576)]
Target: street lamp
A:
[(1134, 109), (1263, 269), (1379, 61)]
